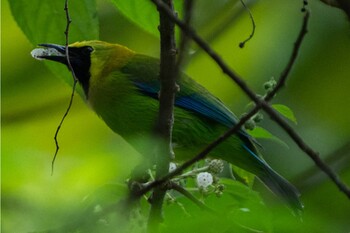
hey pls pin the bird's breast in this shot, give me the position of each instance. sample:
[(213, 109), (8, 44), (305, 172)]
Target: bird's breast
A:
[(124, 109)]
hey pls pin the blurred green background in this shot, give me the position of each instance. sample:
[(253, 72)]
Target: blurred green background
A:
[(33, 101)]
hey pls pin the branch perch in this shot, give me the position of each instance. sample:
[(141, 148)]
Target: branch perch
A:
[(180, 189), (164, 125), (191, 33)]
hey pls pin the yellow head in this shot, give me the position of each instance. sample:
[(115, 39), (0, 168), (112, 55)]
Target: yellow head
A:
[(90, 60)]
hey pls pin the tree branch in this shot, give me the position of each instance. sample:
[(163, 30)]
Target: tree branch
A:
[(75, 81), (180, 189), (259, 103), (307, 149), (297, 45), (242, 44), (242, 121), (199, 156), (338, 160), (164, 125), (188, 7), (191, 33)]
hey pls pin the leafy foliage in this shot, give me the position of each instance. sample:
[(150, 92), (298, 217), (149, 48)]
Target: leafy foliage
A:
[(259, 132), (240, 209), (49, 15), (143, 13), (285, 111)]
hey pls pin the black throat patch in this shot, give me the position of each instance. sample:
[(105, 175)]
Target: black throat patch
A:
[(81, 61)]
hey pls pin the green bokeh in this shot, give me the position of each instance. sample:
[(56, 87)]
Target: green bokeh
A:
[(33, 101)]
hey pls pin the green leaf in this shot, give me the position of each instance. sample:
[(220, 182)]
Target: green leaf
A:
[(144, 13), (45, 22), (259, 132), (240, 193), (247, 177), (141, 12), (285, 111), (238, 209)]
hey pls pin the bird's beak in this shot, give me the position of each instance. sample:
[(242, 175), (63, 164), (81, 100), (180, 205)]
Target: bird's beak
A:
[(51, 52)]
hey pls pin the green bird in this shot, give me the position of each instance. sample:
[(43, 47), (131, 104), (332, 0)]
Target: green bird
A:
[(122, 87)]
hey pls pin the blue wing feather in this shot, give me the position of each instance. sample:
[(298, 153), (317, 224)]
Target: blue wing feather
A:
[(194, 102), (212, 108), (142, 72), (198, 104)]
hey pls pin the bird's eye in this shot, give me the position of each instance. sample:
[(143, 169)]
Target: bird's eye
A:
[(87, 50)]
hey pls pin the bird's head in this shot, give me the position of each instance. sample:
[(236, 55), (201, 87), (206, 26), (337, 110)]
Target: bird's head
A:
[(90, 60)]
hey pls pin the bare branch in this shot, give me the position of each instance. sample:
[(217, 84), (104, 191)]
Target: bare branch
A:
[(242, 44), (200, 156), (191, 33), (192, 198), (338, 160), (66, 32), (188, 7), (284, 75), (307, 149), (75, 80), (164, 125), (259, 103)]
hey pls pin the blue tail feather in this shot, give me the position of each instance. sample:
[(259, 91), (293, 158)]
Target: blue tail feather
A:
[(277, 184)]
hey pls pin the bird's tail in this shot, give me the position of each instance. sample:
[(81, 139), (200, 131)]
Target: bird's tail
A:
[(282, 188)]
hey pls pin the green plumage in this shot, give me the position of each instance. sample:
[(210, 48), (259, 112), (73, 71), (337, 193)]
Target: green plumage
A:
[(133, 114), (122, 88)]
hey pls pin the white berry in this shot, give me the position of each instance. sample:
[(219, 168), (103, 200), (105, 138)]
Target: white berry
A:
[(204, 179), (172, 167)]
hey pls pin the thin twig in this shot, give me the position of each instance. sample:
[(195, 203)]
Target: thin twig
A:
[(241, 45), (182, 51), (338, 160), (305, 4), (66, 32), (241, 122), (191, 33), (75, 80), (307, 149), (228, 22), (259, 103), (297, 44), (200, 156), (180, 189)]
